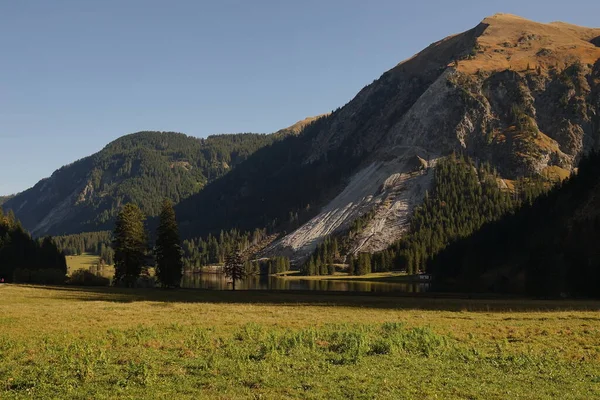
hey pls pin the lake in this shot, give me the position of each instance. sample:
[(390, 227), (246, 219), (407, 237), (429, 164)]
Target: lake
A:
[(214, 281)]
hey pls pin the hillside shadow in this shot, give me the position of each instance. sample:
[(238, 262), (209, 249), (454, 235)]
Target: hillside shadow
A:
[(421, 301), (596, 41)]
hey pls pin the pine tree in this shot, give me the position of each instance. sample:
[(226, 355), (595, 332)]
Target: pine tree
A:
[(352, 265), (234, 267), (169, 264), (129, 244), (310, 270), (331, 269), (364, 264)]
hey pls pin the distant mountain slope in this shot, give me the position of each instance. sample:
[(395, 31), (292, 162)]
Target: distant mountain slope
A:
[(144, 168), (298, 126), (4, 199), (520, 95)]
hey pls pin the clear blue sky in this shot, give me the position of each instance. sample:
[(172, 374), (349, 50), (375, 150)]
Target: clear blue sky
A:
[(75, 75)]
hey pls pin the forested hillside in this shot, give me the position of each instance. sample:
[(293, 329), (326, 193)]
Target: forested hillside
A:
[(464, 196), (143, 168), (276, 188), (549, 247)]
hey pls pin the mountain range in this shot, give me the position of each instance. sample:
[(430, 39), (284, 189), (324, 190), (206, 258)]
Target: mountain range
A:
[(521, 96), (143, 168)]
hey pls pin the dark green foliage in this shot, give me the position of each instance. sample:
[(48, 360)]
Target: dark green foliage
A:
[(83, 277), (25, 259), (383, 261), (143, 168), (234, 267), (553, 242), (130, 245), (277, 265), (169, 264), (98, 243), (465, 196), (44, 276), (360, 265), (323, 258), (267, 266), (214, 249)]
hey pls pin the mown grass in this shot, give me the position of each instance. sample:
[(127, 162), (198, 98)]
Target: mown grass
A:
[(68, 342)]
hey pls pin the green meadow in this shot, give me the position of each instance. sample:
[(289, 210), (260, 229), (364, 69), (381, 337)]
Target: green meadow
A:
[(110, 343), (89, 262)]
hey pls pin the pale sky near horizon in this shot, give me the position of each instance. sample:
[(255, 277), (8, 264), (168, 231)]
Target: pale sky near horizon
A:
[(75, 75)]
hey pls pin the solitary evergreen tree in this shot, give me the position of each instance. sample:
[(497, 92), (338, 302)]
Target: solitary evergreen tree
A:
[(129, 244), (234, 266), (169, 264)]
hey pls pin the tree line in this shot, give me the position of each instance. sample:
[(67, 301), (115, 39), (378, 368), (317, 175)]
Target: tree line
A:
[(267, 266), (549, 247), (196, 252), (322, 261), (24, 259), (199, 252), (132, 256), (465, 195), (98, 243)]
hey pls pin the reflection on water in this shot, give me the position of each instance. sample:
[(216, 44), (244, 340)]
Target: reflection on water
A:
[(263, 282)]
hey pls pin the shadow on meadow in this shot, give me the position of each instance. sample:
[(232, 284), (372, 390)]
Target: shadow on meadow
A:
[(429, 301)]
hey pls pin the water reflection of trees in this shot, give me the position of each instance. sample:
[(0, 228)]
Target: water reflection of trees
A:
[(262, 282)]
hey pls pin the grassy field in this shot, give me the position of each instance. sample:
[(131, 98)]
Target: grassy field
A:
[(87, 261), (66, 342)]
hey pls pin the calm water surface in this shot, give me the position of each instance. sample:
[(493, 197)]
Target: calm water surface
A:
[(219, 282)]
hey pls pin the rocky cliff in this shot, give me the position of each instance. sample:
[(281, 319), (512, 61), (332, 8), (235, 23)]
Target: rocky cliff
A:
[(521, 95)]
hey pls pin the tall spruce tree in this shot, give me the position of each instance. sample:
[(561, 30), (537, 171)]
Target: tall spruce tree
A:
[(130, 245), (234, 266), (169, 263)]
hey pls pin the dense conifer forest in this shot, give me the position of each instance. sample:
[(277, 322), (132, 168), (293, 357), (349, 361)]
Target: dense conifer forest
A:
[(196, 252), (549, 247), (24, 259), (464, 196), (98, 243), (211, 250)]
